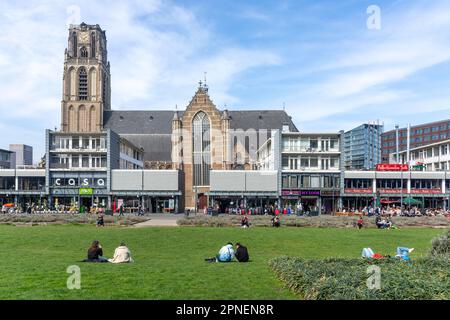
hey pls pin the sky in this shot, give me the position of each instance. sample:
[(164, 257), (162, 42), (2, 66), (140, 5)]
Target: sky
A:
[(332, 64)]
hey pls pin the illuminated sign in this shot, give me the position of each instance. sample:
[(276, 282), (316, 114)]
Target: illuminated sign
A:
[(392, 167), (86, 191), (79, 182)]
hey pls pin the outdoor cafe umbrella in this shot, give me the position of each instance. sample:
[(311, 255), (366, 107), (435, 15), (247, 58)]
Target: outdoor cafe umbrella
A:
[(412, 201), (8, 205)]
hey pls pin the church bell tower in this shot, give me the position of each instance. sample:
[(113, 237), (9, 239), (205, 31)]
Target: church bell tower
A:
[(86, 80)]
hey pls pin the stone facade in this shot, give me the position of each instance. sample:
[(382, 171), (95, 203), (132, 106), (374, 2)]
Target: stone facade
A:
[(182, 144), (86, 80)]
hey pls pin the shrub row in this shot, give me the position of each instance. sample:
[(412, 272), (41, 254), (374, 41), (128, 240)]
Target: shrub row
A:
[(346, 279), (319, 221), (67, 218), (440, 246)]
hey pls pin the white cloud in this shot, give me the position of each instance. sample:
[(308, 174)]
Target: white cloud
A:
[(158, 51)]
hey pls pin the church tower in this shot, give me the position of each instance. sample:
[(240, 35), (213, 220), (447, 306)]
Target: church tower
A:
[(86, 80)]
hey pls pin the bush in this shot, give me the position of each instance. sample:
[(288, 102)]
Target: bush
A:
[(345, 279), (440, 246), (323, 221)]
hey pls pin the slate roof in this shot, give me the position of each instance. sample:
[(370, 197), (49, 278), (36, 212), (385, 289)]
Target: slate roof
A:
[(160, 122), (151, 130)]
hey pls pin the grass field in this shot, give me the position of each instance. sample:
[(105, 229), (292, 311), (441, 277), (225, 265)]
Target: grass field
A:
[(170, 261)]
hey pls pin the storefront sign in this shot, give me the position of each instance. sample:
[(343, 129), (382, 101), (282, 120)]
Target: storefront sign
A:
[(290, 192), (315, 193), (79, 182), (426, 191), (392, 167), (358, 190), (392, 191), (86, 191)]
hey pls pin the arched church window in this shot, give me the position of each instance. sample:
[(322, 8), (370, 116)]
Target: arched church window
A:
[(82, 84), (201, 149), (83, 52)]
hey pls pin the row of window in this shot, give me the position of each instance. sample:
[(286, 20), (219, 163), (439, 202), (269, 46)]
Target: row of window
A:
[(310, 181), (77, 142), (394, 183), (304, 163), (77, 161), (418, 131), (24, 183), (310, 144)]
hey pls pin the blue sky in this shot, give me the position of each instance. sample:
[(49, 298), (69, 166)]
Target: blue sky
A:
[(317, 57)]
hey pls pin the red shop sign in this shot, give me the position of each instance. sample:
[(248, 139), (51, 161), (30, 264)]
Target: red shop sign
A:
[(392, 167)]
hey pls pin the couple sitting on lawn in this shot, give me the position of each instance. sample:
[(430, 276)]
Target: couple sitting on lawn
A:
[(121, 255), (226, 254)]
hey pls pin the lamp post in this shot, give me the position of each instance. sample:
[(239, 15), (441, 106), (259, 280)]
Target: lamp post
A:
[(401, 186)]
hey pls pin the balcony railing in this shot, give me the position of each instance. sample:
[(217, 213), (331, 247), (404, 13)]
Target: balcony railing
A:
[(311, 150)]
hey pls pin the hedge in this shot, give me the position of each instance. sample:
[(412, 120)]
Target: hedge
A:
[(323, 221), (346, 279)]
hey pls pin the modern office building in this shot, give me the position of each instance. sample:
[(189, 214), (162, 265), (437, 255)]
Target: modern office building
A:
[(430, 157), (362, 147), (420, 135), (23, 154), (7, 159)]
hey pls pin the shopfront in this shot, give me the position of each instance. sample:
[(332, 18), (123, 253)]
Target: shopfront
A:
[(78, 191)]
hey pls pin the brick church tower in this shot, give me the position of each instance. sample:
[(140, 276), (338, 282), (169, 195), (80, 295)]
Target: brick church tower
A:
[(86, 80)]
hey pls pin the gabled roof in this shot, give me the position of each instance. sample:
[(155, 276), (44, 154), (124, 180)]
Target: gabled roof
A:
[(160, 122)]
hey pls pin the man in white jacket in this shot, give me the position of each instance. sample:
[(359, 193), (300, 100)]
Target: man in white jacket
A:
[(122, 254)]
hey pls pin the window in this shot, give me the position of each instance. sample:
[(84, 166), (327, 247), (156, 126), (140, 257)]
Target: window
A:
[(435, 129), (426, 130), (293, 163), (294, 182), (93, 45), (304, 162), (313, 144), (84, 52), (419, 131), (435, 137), (201, 149), (75, 161), (85, 162), (313, 162), (305, 181), (82, 85), (285, 182), (285, 163)]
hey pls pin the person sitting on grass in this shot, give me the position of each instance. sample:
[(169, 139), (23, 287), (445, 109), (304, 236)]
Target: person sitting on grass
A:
[(245, 223), (100, 221), (226, 254), (95, 253), (241, 253), (276, 222), (360, 223), (122, 254)]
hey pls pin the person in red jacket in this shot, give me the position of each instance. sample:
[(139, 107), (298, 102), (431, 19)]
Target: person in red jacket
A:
[(277, 211)]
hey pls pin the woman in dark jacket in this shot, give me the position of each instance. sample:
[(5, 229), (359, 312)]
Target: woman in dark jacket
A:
[(241, 253), (95, 253)]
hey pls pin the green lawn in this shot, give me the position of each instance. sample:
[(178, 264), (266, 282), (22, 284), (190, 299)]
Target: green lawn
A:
[(170, 261)]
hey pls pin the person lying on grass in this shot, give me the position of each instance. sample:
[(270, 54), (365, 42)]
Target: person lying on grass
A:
[(95, 253), (226, 254), (122, 254)]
